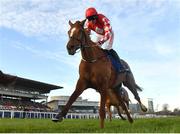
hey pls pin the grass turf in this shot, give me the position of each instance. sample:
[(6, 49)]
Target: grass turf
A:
[(153, 125)]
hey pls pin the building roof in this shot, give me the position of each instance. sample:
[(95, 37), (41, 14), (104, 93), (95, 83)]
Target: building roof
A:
[(62, 100), (26, 84)]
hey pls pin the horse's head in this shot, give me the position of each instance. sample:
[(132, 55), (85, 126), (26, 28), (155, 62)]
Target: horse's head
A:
[(76, 35)]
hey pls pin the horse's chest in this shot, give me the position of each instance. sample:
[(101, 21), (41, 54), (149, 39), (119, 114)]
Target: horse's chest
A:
[(97, 78), (96, 74)]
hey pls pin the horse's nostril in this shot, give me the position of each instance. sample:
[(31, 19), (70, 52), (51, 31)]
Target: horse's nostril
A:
[(69, 47)]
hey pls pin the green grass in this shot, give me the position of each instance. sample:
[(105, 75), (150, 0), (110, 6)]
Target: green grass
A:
[(160, 125)]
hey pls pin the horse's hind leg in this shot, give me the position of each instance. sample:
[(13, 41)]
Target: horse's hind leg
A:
[(109, 111), (130, 83)]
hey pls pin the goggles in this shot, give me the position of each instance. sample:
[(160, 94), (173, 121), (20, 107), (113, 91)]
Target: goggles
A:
[(94, 17)]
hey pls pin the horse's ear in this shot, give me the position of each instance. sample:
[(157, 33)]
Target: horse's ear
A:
[(83, 22), (70, 23)]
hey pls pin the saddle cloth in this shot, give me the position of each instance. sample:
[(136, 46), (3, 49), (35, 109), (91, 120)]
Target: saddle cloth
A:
[(117, 65)]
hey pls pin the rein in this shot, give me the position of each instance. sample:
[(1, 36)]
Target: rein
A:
[(83, 46)]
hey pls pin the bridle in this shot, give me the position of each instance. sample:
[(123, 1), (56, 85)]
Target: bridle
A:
[(82, 46)]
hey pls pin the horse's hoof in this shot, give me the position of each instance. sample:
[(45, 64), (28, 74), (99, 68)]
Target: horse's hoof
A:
[(143, 108), (124, 119), (57, 119), (131, 120)]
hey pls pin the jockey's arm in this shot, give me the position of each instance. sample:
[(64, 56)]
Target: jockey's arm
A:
[(105, 37), (107, 31)]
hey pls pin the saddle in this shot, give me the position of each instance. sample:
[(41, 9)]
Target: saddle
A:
[(117, 65)]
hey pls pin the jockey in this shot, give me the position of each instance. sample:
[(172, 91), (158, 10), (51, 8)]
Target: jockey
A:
[(101, 25)]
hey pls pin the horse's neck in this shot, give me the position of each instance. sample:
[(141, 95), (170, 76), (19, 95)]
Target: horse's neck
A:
[(91, 53)]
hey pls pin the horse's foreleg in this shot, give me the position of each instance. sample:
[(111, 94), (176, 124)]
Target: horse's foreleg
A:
[(126, 110), (80, 87), (127, 103), (102, 111), (119, 113)]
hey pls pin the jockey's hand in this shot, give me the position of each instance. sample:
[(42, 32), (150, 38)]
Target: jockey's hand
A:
[(99, 43), (88, 31)]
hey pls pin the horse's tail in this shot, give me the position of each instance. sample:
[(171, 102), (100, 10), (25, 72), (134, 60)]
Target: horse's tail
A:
[(138, 88)]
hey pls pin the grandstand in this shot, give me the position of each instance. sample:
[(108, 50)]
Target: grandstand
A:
[(18, 100), (81, 108), (18, 95)]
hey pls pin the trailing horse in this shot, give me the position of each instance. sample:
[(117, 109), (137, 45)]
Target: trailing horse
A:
[(112, 100), (95, 71)]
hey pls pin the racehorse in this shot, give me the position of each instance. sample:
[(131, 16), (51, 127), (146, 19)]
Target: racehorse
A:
[(112, 100), (95, 71)]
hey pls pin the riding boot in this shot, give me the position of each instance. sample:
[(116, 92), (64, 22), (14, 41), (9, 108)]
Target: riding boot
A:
[(116, 57)]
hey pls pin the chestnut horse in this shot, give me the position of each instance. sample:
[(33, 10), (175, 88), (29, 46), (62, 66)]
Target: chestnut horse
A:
[(112, 100), (95, 71)]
